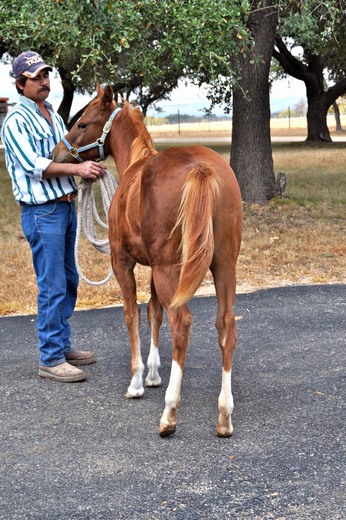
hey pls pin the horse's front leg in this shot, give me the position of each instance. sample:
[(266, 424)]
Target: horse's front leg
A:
[(127, 282), (132, 319), (155, 316), (180, 322)]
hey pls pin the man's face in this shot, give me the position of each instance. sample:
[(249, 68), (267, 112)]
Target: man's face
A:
[(37, 89)]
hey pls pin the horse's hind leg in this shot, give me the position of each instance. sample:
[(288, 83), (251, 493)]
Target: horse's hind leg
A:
[(180, 321), (225, 325), (180, 324), (155, 314)]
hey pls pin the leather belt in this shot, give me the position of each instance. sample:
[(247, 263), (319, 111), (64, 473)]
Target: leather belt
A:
[(65, 198)]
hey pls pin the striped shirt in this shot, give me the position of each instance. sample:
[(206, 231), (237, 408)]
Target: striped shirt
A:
[(29, 139)]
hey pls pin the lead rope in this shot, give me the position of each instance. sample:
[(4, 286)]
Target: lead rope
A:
[(88, 216)]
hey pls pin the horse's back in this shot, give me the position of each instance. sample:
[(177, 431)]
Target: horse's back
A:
[(165, 173)]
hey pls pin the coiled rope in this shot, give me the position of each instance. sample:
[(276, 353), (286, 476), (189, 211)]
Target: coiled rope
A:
[(88, 216)]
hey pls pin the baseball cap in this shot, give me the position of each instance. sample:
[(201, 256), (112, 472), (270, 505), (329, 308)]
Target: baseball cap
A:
[(29, 64)]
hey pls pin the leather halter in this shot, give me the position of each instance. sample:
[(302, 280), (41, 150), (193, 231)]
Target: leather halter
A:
[(99, 143)]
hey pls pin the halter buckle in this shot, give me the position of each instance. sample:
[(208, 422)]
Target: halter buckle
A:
[(107, 127), (74, 152)]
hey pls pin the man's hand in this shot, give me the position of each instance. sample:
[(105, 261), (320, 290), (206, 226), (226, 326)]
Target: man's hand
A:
[(90, 170), (86, 170)]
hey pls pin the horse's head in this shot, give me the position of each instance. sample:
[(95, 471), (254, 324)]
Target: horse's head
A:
[(86, 139)]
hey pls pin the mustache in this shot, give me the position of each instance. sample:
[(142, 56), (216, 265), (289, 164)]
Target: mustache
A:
[(43, 89)]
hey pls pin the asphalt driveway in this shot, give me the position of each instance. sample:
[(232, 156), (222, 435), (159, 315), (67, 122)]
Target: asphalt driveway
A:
[(83, 451)]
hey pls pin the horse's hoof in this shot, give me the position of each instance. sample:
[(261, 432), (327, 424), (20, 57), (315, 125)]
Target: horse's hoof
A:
[(153, 382), (224, 431), (167, 429), (223, 435), (224, 427), (134, 393)]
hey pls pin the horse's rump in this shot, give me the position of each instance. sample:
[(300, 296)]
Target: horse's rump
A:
[(195, 220), (182, 192)]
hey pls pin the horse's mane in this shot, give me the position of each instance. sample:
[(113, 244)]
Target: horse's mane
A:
[(142, 145)]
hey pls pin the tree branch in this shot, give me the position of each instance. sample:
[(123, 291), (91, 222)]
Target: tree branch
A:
[(337, 90), (288, 62)]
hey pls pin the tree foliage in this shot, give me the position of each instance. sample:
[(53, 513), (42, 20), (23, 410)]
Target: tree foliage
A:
[(318, 30), (144, 45)]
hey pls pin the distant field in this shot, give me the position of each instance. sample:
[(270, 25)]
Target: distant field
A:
[(279, 126)]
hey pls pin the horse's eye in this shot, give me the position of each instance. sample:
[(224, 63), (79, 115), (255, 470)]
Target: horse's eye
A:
[(82, 126)]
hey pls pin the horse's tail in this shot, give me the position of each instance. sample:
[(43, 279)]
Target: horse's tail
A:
[(195, 219)]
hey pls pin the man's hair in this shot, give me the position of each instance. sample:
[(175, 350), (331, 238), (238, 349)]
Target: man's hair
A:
[(22, 80)]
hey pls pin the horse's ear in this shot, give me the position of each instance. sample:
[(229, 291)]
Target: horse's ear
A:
[(99, 90), (108, 94), (106, 97)]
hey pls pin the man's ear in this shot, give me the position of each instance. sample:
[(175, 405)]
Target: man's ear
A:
[(19, 85)]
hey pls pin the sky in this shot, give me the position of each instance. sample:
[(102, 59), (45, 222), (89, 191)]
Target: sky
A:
[(284, 93), (188, 100)]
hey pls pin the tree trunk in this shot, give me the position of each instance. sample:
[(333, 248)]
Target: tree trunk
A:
[(69, 90), (318, 99), (317, 107), (317, 119), (251, 151), (66, 104), (338, 126)]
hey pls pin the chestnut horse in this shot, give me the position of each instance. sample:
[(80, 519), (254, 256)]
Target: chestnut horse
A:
[(178, 211)]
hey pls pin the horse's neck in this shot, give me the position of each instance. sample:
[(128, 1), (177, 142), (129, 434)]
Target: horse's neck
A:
[(129, 145), (120, 144)]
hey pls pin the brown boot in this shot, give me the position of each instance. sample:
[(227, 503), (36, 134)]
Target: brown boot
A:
[(65, 373), (80, 357)]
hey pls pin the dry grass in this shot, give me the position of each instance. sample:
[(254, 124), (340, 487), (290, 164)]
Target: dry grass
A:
[(296, 240), (299, 239)]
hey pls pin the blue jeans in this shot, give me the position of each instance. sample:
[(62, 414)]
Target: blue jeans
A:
[(50, 230)]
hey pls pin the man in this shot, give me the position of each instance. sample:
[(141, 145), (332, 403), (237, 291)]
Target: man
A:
[(45, 190)]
